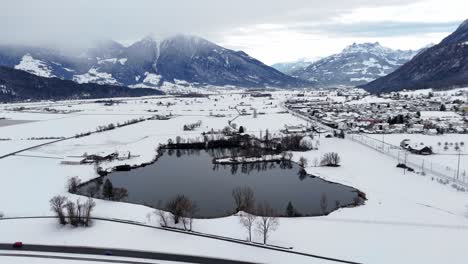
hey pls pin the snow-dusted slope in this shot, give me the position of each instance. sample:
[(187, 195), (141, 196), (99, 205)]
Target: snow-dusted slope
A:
[(356, 64), (180, 60), (34, 66), (18, 85), (93, 76)]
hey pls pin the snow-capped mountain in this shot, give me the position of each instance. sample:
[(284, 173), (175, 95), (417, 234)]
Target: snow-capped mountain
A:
[(357, 64), (444, 65), (289, 67), (180, 60)]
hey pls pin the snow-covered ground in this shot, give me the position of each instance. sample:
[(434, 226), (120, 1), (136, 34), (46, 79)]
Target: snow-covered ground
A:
[(443, 156), (408, 218)]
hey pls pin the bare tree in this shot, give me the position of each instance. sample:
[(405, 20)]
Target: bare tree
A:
[(73, 184), (182, 208), (190, 212), (174, 206), (79, 212), (57, 204), (88, 209), (248, 220), (70, 206), (243, 198), (303, 162), (268, 221), (163, 217), (119, 194)]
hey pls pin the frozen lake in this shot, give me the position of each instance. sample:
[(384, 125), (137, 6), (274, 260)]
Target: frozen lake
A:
[(192, 173)]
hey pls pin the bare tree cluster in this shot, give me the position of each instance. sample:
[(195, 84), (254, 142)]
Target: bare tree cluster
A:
[(189, 127), (295, 142), (264, 220), (125, 123), (182, 209), (73, 213), (243, 198), (99, 189), (331, 159)]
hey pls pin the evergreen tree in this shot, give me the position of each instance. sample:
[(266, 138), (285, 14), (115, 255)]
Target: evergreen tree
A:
[(241, 129), (442, 107), (108, 190), (290, 211)]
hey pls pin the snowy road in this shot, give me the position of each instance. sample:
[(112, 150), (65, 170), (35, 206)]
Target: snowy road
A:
[(33, 147), (30, 258), (118, 253)]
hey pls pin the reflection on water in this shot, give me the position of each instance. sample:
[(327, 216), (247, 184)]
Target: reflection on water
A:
[(191, 172)]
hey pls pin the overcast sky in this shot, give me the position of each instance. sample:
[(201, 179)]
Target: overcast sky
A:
[(269, 30)]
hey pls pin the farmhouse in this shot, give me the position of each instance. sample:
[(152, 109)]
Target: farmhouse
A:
[(425, 150), (73, 161)]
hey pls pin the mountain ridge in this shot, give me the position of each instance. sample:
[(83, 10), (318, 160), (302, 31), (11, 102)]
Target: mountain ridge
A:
[(19, 85), (356, 64), (180, 59), (444, 65)]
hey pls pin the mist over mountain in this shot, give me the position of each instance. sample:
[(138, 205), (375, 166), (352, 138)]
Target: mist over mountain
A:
[(289, 67)]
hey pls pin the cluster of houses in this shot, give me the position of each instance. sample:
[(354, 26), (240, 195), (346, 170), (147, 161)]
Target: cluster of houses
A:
[(390, 114)]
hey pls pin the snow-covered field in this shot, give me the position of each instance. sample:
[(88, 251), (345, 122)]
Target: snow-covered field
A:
[(443, 156), (408, 218)]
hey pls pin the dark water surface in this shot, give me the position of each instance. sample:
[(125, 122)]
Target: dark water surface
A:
[(192, 173)]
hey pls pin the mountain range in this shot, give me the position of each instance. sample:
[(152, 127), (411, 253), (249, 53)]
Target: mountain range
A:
[(190, 61), (357, 64), (444, 65), (180, 60)]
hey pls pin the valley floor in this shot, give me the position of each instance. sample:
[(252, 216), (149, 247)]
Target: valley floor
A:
[(408, 218)]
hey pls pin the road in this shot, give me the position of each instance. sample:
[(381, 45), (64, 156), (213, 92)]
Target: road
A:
[(33, 147), (116, 253), (81, 259)]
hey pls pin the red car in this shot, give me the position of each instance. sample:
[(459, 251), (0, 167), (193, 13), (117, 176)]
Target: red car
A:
[(18, 244)]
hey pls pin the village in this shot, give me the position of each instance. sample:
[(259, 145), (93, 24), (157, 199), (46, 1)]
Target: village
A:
[(354, 111)]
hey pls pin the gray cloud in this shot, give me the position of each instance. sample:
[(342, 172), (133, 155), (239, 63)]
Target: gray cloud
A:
[(378, 29), (80, 21)]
